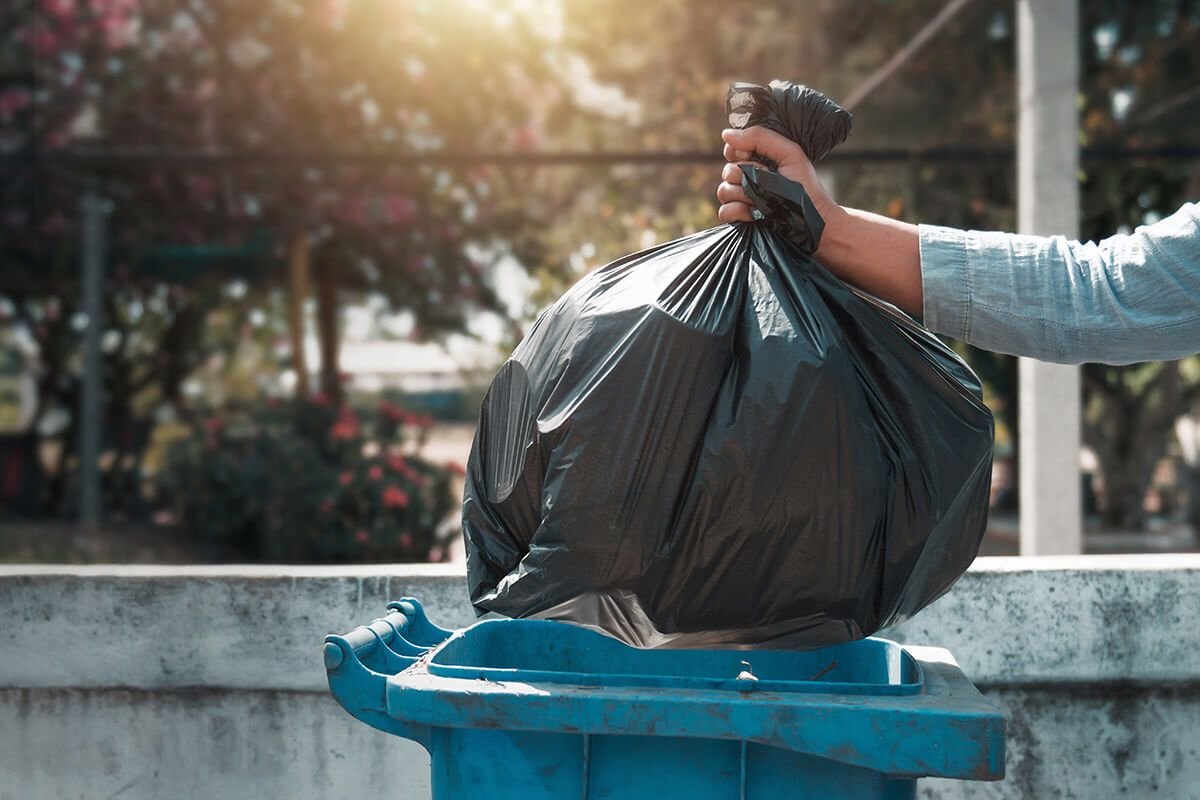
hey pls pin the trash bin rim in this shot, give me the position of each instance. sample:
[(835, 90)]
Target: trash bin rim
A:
[(946, 730), (949, 730), (905, 678)]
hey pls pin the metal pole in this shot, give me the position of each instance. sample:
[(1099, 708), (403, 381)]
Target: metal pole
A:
[(94, 209), (1048, 204)]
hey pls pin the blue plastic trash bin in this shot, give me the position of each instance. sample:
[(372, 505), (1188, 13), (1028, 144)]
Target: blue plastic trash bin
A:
[(534, 710)]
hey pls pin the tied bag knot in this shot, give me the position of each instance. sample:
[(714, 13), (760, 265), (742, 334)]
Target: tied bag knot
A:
[(804, 116), (785, 206)]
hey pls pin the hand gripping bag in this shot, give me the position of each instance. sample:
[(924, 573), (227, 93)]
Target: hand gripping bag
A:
[(715, 442)]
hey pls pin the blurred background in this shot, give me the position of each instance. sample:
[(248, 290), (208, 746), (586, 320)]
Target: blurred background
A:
[(259, 259)]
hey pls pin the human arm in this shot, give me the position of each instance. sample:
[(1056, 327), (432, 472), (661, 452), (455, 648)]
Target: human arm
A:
[(1128, 298), (877, 254), (1132, 297)]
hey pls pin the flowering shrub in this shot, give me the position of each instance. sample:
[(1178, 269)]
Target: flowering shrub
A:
[(307, 482)]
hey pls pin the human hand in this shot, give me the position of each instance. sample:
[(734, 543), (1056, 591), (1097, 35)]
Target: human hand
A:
[(793, 163)]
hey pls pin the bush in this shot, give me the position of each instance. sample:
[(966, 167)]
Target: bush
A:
[(306, 482)]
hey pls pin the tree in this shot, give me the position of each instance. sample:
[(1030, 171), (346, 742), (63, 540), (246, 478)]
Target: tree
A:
[(289, 82), (1139, 58)]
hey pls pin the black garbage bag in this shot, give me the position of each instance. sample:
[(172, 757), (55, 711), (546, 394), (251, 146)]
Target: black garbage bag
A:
[(715, 442)]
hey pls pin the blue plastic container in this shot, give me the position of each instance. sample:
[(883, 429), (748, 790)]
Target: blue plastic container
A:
[(534, 710)]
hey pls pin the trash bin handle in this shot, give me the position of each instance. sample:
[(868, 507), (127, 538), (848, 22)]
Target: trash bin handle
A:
[(383, 632), (416, 627), (358, 664), (406, 633)]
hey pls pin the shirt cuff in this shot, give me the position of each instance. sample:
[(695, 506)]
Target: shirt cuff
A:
[(945, 280)]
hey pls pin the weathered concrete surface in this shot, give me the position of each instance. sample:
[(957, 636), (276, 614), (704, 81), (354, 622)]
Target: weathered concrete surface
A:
[(207, 682), (228, 627), (1095, 742), (1070, 620), (67, 744)]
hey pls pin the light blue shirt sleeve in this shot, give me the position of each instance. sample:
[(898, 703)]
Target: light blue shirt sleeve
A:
[(1131, 297)]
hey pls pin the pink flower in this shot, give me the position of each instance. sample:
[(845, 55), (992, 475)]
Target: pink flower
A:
[(375, 472), (345, 478), (395, 497), (61, 9), (326, 505), (402, 468), (44, 42), (436, 554), (456, 468), (406, 539), (346, 426), (393, 412), (361, 536)]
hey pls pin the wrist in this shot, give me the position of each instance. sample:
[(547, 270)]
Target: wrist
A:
[(836, 221)]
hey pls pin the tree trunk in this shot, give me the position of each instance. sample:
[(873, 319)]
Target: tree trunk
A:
[(328, 333), (1129, 435), (1125, 484), (297, 295)]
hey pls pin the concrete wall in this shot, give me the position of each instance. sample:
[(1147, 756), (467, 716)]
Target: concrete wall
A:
[(206, 682)]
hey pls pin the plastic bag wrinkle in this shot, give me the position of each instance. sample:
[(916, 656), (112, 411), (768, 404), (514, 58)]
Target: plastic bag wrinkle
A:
[(724, 445)]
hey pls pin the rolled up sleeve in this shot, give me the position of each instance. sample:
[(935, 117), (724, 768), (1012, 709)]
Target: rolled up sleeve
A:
[(1132, 297)]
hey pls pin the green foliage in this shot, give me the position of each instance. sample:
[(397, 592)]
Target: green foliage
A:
[(308, 483)]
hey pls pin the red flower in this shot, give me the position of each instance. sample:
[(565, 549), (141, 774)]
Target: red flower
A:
[(406, 539), (393, 412), (402, 468), (398, 465), (345, 478), (346, 426), (395, 497), (361, 536), (375, 472)]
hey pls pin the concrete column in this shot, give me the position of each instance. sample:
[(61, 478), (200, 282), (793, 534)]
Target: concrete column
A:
[(1048, 203)]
